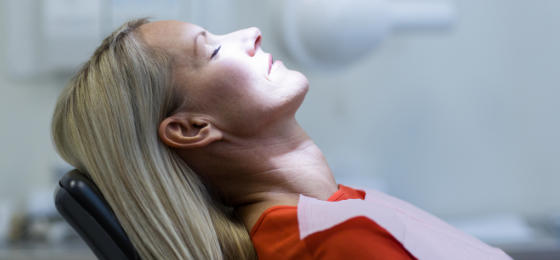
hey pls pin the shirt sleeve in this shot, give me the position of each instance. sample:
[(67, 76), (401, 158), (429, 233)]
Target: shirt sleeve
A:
[(356, 238)]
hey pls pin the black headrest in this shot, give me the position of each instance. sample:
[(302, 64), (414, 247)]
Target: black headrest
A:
[(81, 204)]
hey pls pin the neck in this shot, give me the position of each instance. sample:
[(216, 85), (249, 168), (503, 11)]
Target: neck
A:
[(265, 170)]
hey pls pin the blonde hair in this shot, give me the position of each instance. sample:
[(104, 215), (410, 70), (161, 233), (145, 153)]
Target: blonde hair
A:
[(105, 123)]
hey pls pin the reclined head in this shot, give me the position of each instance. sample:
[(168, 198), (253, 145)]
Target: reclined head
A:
[(157, 100)]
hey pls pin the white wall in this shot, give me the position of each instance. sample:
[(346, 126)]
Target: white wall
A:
[(456, 123)]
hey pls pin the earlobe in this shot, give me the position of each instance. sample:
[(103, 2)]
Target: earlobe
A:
[(188, 132)]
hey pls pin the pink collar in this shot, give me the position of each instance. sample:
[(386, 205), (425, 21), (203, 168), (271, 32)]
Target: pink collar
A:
[(422, 234)]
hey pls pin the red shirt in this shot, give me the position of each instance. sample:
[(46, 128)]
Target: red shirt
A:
[(276, 236)]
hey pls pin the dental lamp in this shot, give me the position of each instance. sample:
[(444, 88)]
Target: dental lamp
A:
[(334, 33)]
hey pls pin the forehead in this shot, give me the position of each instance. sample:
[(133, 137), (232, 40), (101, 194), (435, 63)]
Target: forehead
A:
[(176, 37)]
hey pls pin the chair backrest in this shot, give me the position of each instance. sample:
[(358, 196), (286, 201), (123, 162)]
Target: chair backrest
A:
[(81, 204)]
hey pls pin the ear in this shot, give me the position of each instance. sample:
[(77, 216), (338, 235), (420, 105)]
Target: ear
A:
[(187, 131)]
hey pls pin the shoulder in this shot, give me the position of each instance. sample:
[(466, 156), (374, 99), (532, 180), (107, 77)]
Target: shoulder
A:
[(275, 235), (358, 238), (270, 218)]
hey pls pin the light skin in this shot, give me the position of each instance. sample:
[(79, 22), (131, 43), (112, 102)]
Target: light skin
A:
[(236, 127)]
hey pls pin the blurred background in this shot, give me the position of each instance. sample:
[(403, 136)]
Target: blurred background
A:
[(461, 121)]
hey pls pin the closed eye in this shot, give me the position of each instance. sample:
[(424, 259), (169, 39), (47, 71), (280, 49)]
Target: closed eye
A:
[(215, 52)]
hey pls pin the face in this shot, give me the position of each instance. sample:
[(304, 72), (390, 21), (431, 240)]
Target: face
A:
[(228, 77)]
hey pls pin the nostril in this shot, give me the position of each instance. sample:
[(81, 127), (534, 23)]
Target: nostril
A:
[(258, 42), (254, 46), (253, 40)]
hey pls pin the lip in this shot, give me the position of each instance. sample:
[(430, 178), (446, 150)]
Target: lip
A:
[(270, 61)]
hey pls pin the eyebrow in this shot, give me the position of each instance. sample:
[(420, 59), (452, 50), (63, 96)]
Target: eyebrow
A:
[(201, 33)]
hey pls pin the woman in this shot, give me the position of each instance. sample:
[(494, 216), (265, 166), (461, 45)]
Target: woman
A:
[(191, 138)]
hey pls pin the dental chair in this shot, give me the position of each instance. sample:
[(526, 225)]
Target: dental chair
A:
[(81, 204)]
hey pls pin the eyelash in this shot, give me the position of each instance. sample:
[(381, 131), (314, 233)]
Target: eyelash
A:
[(215, 52)]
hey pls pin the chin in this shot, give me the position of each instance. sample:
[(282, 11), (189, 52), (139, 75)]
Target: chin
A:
[(300, 80), (301, 85)]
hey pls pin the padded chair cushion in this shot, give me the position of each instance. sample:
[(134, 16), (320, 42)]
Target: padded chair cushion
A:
[(81, 204)]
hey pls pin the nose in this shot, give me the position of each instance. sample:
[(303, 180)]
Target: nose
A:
[(252, 40)]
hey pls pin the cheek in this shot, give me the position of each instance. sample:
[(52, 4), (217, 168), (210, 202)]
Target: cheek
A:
[(230, 90), (229, 76), (230, 83)]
